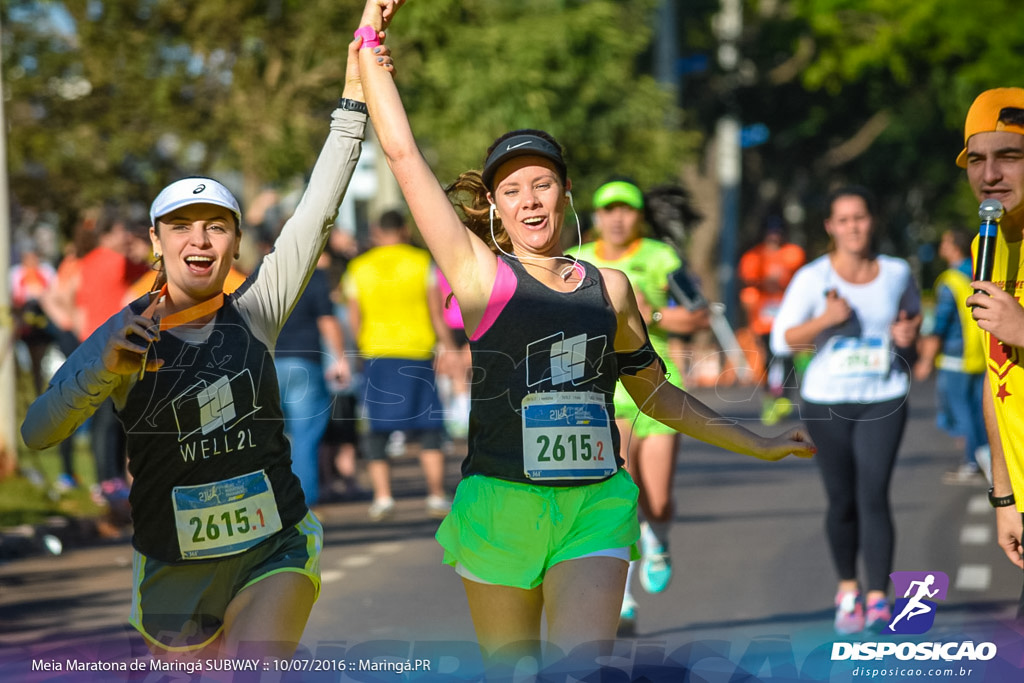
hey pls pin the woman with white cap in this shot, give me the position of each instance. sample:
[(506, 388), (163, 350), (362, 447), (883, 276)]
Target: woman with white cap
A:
[(226, 551), (545, 517)]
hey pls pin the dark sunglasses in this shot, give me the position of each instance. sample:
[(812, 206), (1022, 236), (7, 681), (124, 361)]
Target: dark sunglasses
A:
[(1012, 116)]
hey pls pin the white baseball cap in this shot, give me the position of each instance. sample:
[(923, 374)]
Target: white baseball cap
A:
[(195, 190)]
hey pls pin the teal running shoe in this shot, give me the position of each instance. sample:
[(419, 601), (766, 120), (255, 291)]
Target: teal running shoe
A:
[(655, 564)]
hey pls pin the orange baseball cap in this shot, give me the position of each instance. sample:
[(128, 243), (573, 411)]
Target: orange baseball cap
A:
[(984, 116)]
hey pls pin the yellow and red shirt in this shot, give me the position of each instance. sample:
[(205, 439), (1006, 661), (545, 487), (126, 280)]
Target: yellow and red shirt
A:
[(1006, 367)]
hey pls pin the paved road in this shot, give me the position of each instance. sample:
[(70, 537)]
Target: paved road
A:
[(751, 596)]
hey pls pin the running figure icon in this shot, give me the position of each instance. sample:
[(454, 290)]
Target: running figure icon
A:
[(915, 606)]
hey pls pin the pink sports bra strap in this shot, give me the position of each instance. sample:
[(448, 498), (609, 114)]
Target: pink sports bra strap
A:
[(504, 287)]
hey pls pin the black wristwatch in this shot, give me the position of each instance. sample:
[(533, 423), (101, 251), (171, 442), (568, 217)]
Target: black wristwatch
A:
[(1001, 501), (353, 105)]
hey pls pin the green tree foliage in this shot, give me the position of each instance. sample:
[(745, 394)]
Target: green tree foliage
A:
[(975, 42), (874, 92), (936, 56), (114, 98), (469, 70), (118, 97)]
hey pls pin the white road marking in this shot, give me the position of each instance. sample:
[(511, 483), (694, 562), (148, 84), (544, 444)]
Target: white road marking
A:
[(386, 548), (357, 561), (976, 577), (331, 575), (976, 534), (973, 577), (978, 505)]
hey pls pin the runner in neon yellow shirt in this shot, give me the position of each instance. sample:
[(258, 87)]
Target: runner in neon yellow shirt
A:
[(649, 446)]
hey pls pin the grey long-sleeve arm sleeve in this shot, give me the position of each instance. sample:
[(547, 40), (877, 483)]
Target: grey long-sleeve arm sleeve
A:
[(75, 391), (83, 383), (286, 270)]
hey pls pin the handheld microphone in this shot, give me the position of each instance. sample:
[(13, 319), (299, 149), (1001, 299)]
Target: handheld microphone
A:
[(990, 211)]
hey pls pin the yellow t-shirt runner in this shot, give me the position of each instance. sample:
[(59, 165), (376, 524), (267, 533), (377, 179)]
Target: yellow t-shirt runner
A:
[(391, 284)]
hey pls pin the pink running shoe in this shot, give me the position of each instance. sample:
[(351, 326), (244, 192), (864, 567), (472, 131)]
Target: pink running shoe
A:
[(849, 613), (879, 615)]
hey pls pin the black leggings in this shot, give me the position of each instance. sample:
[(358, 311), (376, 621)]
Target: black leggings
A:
[(857, 446)]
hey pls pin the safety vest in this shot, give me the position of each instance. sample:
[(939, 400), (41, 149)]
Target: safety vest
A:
[(973, 360)]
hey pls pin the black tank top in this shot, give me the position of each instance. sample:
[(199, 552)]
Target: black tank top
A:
[(211, 413), (524, 352)]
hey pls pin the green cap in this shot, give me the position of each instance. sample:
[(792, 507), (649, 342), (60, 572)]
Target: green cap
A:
[(619, 191)]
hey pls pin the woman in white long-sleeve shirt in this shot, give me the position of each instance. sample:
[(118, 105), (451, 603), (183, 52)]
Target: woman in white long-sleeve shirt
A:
[(859, 312), (226, 550)]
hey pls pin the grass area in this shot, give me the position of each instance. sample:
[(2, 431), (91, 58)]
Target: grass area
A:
[(29, 496)]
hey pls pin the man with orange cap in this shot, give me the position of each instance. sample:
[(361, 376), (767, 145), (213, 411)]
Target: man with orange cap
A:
[(993, 155)]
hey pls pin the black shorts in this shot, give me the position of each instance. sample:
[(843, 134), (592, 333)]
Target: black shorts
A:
[(375, 443), (181, 606), (341, 428)]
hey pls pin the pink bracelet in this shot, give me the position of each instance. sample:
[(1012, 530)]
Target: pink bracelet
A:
[(369, 36)]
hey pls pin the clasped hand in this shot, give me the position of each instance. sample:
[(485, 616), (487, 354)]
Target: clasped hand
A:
[(379, 13), (127, 349)]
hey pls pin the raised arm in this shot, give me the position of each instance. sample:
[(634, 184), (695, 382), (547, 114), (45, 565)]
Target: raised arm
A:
[(285, 271), (668, 404), (467, 263)]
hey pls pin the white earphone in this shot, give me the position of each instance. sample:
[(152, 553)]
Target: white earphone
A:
[(568, 271)]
